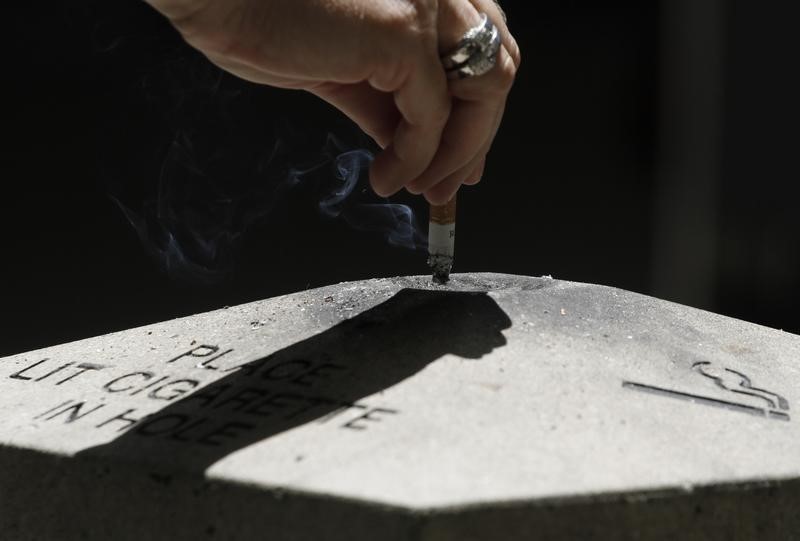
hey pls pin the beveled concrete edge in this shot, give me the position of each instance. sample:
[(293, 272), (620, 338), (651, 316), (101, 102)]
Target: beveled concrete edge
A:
[(702, 514), (433, 287), (634, 496)]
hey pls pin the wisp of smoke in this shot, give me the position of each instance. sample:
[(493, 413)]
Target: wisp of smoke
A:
[(194, 225), (363, 210), (218, 170)]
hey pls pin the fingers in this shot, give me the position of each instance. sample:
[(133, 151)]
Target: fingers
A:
[(470, 131), (467, 132), (477, 174), (467, 137), (446, 189), (479, 103), (470, 174), (372, 110), (496, 14), (424, 103), (491, 87)]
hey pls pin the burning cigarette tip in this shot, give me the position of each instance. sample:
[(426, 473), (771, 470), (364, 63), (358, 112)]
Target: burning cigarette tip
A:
[(440, 265)]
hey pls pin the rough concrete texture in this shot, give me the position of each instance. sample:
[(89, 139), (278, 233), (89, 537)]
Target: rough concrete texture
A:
[(498, 407)]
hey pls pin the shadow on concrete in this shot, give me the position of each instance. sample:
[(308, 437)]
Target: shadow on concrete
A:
[(321, 379)]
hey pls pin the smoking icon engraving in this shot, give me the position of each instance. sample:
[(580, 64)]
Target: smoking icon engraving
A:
[(772, 405)]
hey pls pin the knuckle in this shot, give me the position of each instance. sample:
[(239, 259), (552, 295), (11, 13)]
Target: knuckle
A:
[(407, 29), (506, 74), (515, 52), (214, 32), (408, 21), (399, 25), (390, 75)]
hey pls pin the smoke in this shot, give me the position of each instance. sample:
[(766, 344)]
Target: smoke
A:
[(195, 223), (196, 158), (349, 197)]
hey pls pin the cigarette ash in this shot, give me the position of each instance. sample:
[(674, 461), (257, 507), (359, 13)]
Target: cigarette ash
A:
[(355, 292), (440, 266), (331, 305)]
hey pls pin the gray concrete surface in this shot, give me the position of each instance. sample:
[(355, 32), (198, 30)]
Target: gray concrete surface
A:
[(499, 407)]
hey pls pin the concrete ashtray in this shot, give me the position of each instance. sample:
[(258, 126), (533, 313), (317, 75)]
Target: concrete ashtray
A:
[(498, 407)]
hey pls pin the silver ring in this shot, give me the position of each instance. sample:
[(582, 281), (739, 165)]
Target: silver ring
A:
[(476, 53)]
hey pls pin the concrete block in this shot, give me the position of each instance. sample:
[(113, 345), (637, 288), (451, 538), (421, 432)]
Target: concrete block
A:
[(499, 407)]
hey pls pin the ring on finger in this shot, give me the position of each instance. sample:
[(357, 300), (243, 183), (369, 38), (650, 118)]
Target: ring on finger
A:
[(476, 53)]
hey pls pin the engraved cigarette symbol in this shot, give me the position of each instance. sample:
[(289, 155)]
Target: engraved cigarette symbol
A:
[(740, 384), (733, 381)]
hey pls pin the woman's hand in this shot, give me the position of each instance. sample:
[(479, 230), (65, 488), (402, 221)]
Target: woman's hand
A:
[(378, 61)]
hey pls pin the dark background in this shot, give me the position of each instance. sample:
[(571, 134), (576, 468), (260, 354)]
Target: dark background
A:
[(647, 146)]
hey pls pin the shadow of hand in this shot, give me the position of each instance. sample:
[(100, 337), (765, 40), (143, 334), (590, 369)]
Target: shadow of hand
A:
[(316, 378)]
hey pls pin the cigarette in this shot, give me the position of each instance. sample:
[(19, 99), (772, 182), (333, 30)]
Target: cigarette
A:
[(442, 240)]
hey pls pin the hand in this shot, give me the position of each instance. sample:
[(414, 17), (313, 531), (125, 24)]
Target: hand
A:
[(378, 61)]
